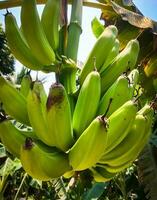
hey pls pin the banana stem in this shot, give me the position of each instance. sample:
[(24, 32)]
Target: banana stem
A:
[(74, 29), (74, 32), (15, 3)]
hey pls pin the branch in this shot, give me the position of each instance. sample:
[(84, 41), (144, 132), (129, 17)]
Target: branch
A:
[(15, 3)]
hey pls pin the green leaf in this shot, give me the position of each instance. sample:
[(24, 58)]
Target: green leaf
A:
[(97, 27), (95, 192), (10, 167), (2, 152)]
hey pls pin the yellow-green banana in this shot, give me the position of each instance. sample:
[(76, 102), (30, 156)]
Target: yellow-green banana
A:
[(100, 174), (130, 142), (34, 33), (58, 117), (128, 150), (13, 101), (12, 137), (119, 124), (36, 106), (90, 146), (50, 22), (18, 46), (124, 61), (116, 96), (43, 165), (100, 51), (87, 103), (114, 52), (26, 84)]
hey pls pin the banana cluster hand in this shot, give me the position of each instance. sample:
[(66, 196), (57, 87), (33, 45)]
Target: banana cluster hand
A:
[(35, 43), (101, 127)]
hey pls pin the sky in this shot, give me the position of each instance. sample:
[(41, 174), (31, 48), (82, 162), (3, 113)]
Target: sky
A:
[(87, 39)]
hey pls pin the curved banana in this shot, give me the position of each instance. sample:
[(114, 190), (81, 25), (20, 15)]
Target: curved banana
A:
[(116, 96), (119, 124), (128, 150), (100, 174), (12, 137), (13, 101), (124, 61), (58, 117), (90, 146), (50, 22), (26, 84), (43, 165), (121, 151), (34, 33), (114, 52), (87, 103), (100, 51), (18, 46), (36, 106)]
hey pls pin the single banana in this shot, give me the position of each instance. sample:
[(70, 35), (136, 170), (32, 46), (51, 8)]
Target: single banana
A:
[(43, 165), (90, 146), (50, 22), (100, 174), (116, 96), (117, 169), (12, 137), (119, 124), (13, 101), (150, 68), (124, 61), (34, 33), (87, 103), (100, 51), (36, 106), (18, 46), (114, 52), (26, 84), (58, 117)]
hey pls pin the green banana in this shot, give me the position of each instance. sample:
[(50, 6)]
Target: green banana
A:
[(58, 117), (100, 51), (87, 103), (100, 174), (18, 46), (43, 165), (50, 22), (90, 146), (26, 85), (116, 96), (117, 169), (122, 151), (119, 124), (36, 106), (34, 33), (12, 137), (124, 61), (128, 150), (114, 52), (13, 101)]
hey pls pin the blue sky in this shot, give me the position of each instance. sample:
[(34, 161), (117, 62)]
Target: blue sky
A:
[(87, 40)]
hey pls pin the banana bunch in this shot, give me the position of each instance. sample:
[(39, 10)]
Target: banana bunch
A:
[(35, 43), (101, 127)]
